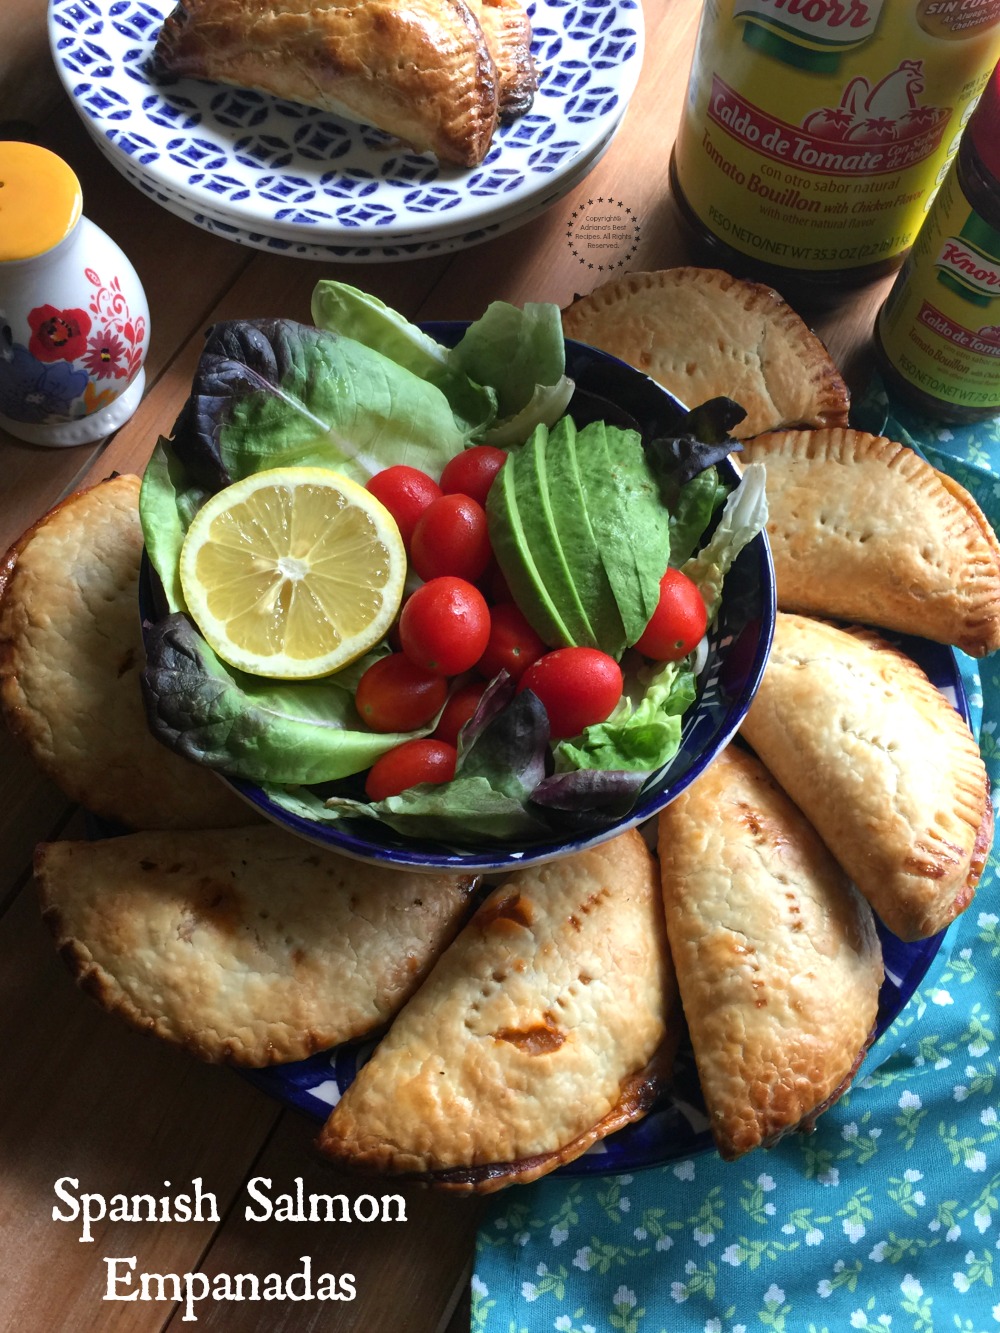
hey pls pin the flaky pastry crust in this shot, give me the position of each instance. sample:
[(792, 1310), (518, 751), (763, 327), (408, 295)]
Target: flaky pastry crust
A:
[(862, 528), (702, 333), (243, 945), (524, 1043), (778, 961), (420, 71), (71, 659), (881, 764)]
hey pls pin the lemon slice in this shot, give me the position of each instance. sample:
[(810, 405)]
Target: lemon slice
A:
[(293, 573)]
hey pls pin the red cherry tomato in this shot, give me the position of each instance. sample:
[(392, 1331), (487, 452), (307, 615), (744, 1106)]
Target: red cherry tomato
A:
[(406, 492), (451, 538), (395, 695), (513, 645), (578, 686), (408, 765), (472, 471), (462, 703), (679, 621), (445, 625)]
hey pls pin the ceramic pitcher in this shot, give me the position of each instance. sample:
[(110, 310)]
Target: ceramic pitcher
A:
[(74, 323)]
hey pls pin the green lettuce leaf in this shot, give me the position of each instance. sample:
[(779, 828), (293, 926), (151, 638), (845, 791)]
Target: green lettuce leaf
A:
[(644, 731), (249, 727), (521, 353), (744, 515), (340, 308)]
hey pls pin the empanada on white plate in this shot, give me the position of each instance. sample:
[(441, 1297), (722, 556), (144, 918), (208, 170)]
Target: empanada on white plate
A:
[(862, 528), (702, 333), (244, 945), (882, 766), (778, 961), (421, 71), (550, 1022)]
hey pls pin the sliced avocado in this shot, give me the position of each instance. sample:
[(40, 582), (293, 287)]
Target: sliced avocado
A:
[(514, 557), (535, 506), (576, 537), (631, 525)]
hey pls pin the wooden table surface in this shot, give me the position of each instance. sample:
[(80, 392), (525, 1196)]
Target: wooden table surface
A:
[(81, 1095)]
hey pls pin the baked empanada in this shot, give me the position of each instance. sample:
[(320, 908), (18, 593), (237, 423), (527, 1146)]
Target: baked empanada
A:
[(861, 528), (702, 333), (71, 659), (549, 1022), (244, 945), (421, 71), (507, 30), (778, 961), (881, 764)]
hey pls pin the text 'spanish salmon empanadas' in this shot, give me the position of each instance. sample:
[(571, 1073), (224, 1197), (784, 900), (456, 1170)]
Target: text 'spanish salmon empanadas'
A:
[(862, 528), (777, 958), (421, 71), (702, 333), (549, 1023), (881, 764), (71, 659), (244, 945)]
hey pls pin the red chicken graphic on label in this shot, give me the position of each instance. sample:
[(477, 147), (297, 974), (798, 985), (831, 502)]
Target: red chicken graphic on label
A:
[(885, 113)]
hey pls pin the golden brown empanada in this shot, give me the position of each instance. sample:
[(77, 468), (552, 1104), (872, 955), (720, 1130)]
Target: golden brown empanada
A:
[(244, 945), (541, 1028), (702, 333), (421, 71), (507, 30), (881, 764), (71, 659), (778, 962), (861, 528)]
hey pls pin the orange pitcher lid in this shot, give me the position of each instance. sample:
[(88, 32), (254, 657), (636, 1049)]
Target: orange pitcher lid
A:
[(40, 200)]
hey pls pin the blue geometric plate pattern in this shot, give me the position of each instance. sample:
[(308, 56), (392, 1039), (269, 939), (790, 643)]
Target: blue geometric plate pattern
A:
[(388, 251), (280, 168), (677, 1127)]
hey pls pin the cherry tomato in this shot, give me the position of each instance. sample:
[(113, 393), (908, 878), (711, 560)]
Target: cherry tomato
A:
[(445, 625), (451, 538), (679, 621), (513, 645), (406, 492), (578, 686), (395, 695), (472, 471), (462, 703), (409, 764)]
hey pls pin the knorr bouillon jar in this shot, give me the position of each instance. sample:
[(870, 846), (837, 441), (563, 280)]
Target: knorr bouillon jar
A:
[(939, 331), (815, 132)]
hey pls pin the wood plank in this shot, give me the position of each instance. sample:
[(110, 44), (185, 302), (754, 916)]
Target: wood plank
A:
[(431, 1250), (84, 1096)]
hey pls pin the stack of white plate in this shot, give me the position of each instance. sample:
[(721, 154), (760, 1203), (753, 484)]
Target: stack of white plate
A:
[(292, 179)]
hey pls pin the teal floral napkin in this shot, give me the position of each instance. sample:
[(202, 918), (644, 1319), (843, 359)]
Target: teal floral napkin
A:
[(886, 1219)]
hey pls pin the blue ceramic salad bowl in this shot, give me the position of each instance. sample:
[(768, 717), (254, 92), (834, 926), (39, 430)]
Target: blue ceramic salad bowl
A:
[(730, 666)]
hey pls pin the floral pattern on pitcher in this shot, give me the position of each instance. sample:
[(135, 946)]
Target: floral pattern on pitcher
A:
[(76, 361)]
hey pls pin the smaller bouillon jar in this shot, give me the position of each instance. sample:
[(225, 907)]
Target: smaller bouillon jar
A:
[(74, 323), (938, 333)]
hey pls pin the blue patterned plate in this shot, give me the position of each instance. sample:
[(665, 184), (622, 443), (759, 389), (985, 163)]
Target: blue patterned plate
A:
[(677, 1127), (284, 169), (397, 251)]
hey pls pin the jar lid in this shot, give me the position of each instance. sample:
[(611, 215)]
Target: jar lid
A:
[(984, 127), (40, 200)]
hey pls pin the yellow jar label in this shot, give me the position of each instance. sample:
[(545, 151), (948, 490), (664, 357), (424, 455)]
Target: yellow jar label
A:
[(940, 327), (816, 132)]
